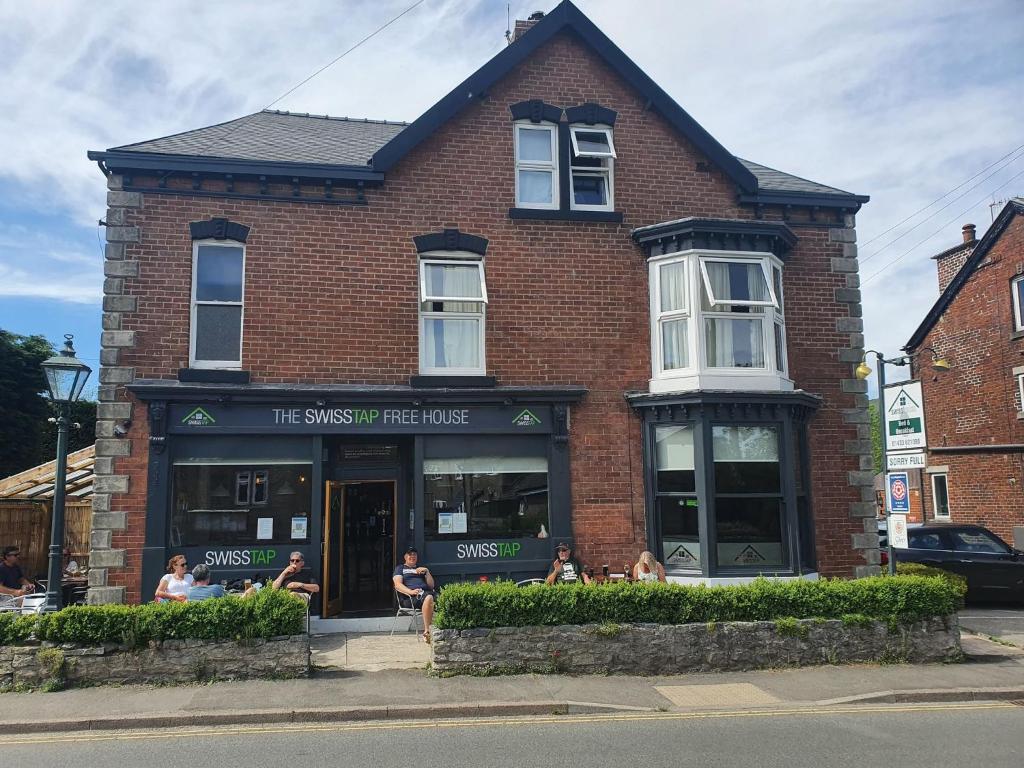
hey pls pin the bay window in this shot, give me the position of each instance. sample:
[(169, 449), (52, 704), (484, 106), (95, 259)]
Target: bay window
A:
[(717, 322), (453, 294)]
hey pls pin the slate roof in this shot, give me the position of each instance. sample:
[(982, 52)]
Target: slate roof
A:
[(278, 136), (769, 179)]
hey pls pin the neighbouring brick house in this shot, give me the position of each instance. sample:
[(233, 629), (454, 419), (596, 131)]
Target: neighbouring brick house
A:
[(973, 414), (551, 308)]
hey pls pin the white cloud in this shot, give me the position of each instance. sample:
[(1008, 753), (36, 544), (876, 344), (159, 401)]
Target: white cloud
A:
[(901, 101)]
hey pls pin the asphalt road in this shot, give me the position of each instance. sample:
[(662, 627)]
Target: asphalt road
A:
[(990, 735)]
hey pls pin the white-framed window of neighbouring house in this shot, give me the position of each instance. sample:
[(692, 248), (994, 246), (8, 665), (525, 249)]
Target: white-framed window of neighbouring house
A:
[(1017, 291), (940, 496)]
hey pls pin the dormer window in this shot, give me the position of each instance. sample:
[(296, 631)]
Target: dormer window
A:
[(536, 165), (592, 157), (717, 322)]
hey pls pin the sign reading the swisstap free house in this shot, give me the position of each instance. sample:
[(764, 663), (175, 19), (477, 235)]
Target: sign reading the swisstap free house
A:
[(903, 409), (213, 418)]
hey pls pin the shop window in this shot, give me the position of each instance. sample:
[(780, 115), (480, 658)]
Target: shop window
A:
[(748, 496), (220, 504), (1017, 290), (591, 166), (485, 497), (940, 496), (453, 296), (536, 153), (217, 302), (718, 315), (678, 507)]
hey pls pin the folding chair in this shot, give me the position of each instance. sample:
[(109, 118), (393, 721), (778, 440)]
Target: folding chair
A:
[(406, 607)]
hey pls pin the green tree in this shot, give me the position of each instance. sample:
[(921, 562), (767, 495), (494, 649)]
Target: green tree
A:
[(23, 407), (876, 434)]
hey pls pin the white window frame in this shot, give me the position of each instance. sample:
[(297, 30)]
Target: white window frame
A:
[(534, 165), (605, 171), (698, 374), (935, 501), (713, 300), (193, 312), (1018, 315), (573, 130), (460, 259), (1020, 390)]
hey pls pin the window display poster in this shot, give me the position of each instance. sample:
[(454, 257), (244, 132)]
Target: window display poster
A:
[(459, 522), (444, 522), (265, 528), (299, 527)]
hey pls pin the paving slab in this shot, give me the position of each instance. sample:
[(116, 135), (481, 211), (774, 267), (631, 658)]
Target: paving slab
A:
[(1005, 623)]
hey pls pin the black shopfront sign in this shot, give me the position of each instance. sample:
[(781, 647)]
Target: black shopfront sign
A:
[(358, 419)]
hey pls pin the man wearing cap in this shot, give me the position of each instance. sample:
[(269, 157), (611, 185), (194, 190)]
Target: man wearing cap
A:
[(566, 569), (416, 582)]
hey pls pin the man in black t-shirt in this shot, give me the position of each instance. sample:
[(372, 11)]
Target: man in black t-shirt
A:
[(12, 581), (296, 578), (417, 582), (566, 569)]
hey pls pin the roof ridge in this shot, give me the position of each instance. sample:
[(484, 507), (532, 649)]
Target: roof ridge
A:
[(331, 117)]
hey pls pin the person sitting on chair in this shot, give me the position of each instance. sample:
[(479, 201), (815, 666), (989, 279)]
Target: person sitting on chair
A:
[(201, 588), (417, 583), (296, 578), (566, 569), (12, 581)]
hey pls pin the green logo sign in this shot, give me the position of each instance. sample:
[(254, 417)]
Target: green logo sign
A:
[(525, 419), (198, 418)]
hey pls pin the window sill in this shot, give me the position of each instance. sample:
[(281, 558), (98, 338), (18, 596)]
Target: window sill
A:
[(1016, 335), (449, 382), (212, 376), (545, 214), (739, 380)]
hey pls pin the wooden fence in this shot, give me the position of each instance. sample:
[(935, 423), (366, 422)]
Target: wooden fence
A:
[(26, 524)]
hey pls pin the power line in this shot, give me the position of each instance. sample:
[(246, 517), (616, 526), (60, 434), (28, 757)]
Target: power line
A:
[(922, 242), (217, 138), (933, 202), (940, 210)]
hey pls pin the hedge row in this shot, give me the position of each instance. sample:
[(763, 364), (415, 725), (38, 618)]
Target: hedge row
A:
[(268, 613), (502, 604)]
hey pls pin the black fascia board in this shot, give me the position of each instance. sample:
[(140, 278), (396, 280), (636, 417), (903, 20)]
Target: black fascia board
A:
[(1012, 208), (161, 163), (565, 16), (177, 391), (820, 200), (780, 237), (562, 214), (799, 397)]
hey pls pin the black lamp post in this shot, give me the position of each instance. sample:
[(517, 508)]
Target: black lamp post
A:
[(65, 378), (940, 365)]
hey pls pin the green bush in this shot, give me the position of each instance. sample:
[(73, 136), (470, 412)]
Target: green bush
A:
[(502, 604), (269, 613), (958, 582)]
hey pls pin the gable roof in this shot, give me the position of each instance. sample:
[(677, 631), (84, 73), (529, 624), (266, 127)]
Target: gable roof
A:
[(1011, 209), (568, 18)]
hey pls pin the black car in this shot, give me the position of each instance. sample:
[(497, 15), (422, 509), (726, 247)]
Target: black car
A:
[(994, 570)]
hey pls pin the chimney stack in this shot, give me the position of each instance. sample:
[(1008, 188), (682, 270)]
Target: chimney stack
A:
[(523, 26), (969, 236)]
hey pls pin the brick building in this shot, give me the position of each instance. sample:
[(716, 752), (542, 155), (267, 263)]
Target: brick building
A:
[(973, 413), (551, 308)]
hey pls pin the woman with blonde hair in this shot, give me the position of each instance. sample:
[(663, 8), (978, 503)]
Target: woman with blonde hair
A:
[(174, 586), (648, 569)]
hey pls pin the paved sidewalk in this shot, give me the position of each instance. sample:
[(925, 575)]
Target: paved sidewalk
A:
[(993, 671)]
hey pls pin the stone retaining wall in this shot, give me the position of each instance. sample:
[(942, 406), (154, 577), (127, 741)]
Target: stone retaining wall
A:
[(169, 661), (654, 649)]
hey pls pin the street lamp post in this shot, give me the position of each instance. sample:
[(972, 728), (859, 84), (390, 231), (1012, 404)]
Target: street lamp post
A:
[(65, 378), (862, 372)]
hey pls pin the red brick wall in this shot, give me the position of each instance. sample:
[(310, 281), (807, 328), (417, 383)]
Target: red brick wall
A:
[(977, 402), (331, 292)]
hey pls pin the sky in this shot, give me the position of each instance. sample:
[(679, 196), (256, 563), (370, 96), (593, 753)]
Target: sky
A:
[(916, 103)]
